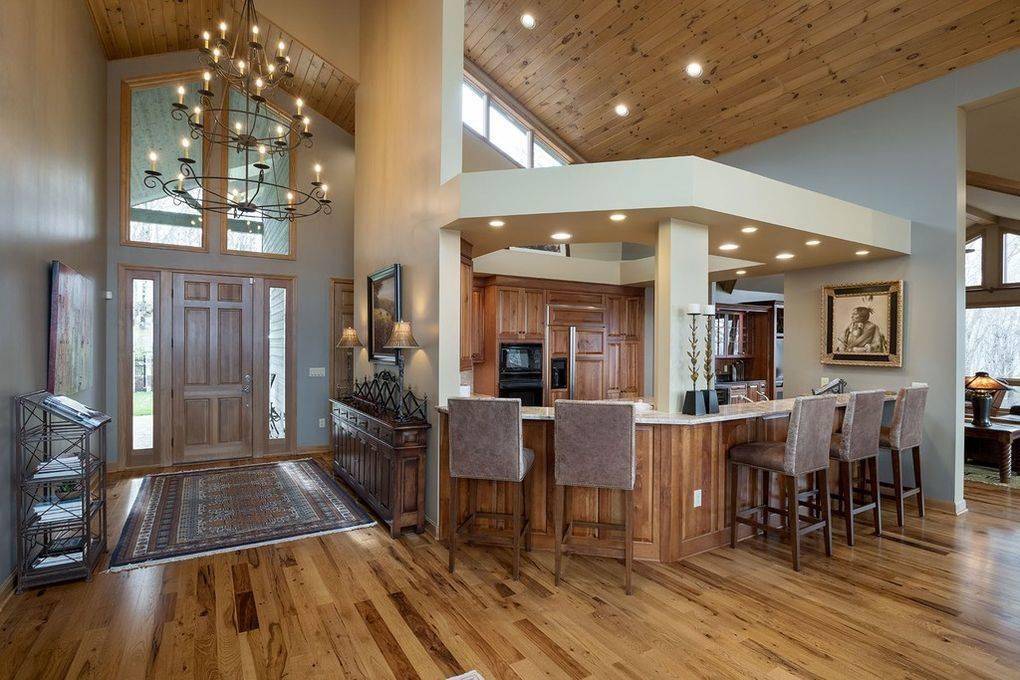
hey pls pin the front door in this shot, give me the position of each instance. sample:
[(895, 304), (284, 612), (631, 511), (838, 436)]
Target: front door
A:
[(212, 367)]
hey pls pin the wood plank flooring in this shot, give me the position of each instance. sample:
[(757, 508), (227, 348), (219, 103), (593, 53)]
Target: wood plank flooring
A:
[(936, 599)]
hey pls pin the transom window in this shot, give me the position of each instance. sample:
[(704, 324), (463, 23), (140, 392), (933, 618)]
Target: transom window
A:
[(494, 121)]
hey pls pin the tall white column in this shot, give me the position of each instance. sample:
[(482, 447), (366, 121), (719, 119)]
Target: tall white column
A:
[(681, 278)]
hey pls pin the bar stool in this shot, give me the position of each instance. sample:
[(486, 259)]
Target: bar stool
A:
[(594, 442), (904, 434), (487, 444), (805, 452), (857, 443)]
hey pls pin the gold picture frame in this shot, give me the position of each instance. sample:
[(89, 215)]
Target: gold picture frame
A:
[(862, 324)]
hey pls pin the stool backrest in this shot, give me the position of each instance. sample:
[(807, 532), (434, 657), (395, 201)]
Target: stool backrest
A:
[(594, 442), (810, 435), (907, 423), (862, 425), (486, 439)]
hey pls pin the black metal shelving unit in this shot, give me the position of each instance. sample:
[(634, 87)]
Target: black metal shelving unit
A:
[(60, 456)]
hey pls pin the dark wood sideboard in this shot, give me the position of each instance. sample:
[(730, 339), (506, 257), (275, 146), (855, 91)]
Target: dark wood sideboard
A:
[(380, 455)]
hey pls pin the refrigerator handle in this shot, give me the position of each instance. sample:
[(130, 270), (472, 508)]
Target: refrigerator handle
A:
[(572, 361)]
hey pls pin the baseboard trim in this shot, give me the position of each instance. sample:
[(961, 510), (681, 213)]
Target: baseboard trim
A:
[(6, 591), (948, 507)]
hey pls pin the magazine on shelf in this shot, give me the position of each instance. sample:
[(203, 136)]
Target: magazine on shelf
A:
[(75, 411)]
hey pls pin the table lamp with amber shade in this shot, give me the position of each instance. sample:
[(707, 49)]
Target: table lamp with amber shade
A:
[(401, 338), (349, 339), (982, 388)]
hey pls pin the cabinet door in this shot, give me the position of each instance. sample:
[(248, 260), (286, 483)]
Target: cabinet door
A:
[(466, 316), (614, 355), (633, 318), (510, 313), (589, 383), (477, 326), (534, 315), (615, 317)]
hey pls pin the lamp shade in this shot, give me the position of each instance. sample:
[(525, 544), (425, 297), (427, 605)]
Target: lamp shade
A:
[(982, 382), (402, 338), (349, 339)]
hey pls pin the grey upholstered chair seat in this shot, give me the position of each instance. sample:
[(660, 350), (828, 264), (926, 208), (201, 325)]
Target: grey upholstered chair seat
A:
[(859, 437), (595, 444), (487, 440), (905, 428), (529, 460), (765, 455)]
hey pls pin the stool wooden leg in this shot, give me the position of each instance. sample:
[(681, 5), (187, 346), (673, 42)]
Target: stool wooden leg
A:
[(733, 504), (518, 490), (452, 519), (766, 496), (918, 482), (846, 490), (826, 510), (792, 523), (529, 491), (558, 527), (897, 474), (628, 538), (876, 494)]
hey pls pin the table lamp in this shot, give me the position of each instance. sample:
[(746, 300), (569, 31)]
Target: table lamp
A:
[(401, 338), (982, 388)]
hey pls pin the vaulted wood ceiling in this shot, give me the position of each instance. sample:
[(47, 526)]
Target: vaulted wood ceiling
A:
[(769, 65), (134, 28)]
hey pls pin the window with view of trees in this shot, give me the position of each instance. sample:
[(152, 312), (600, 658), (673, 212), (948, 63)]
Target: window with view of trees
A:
[(972, 261), (991, 338), (1011, 257)]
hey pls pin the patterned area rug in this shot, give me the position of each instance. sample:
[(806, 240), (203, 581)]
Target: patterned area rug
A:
[(185, 514), (988, 475)]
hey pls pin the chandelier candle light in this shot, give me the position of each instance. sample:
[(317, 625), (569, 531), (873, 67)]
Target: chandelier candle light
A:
[(246, 74)]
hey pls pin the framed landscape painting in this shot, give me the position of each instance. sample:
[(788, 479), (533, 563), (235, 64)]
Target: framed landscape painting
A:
[(72, 311), (863, 324), (383, 311)]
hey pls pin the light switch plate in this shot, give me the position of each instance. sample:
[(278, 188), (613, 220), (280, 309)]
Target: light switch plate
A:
[(697, 498), (322, 422), (824, 382), (317, 372)]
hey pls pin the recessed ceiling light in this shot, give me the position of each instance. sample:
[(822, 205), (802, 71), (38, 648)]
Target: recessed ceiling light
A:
[(618, 217), (741, 272), (749, 229), (561, 236), (812, 242), (496, 223), (784, 256), (862, 252), (528, 21), (728, 246), (694, 69), (621, 110)]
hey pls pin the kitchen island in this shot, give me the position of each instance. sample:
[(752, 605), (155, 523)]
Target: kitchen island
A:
[(680, 487)]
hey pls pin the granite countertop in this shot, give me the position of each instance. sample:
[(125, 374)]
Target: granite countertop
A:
[(739, 411)]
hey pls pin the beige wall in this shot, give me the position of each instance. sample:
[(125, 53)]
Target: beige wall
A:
[(51, 190), (479, 155), (400, 202)]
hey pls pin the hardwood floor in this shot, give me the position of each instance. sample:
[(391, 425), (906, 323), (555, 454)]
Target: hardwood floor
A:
[(936, 599)]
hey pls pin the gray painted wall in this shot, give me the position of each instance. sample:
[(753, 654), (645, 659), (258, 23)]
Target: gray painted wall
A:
[(324, 244), (904, 155), (51, 190)]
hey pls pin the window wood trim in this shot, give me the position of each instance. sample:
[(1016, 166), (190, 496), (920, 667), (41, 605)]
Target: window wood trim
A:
[(127, 454), (127, 86)]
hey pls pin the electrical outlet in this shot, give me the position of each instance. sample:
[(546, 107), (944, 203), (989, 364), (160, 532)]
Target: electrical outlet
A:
[(317, 372), (825, 381), (697, 498), (322, 422)]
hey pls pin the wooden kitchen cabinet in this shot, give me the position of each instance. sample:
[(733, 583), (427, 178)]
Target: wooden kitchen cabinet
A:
[(467, 280), (477, 325), (519, 314), (625, 370)]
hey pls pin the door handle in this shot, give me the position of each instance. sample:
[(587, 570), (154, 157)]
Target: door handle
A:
[(246, 383)]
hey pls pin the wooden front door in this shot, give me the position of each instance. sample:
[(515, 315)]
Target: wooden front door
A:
[(212, 367)]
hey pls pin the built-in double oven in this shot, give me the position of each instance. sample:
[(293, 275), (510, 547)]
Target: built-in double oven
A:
[(520, 372)]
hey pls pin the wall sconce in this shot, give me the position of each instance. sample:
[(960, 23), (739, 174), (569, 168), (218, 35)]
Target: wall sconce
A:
[(349, 339)]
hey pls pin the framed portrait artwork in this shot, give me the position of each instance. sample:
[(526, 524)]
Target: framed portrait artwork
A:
[(383, 311), (863, 324)]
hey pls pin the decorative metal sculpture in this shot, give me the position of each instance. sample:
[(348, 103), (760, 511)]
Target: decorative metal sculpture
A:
[(383, 394)]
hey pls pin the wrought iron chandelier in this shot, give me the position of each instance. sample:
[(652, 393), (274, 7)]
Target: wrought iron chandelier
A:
[(245, 123)]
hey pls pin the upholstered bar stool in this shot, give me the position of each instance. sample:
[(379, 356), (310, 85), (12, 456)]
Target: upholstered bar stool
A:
[(805, 452), (594, 443), (904, 434), (856, 444), (487, 444)]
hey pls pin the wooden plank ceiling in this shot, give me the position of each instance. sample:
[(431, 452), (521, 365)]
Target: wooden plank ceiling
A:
[(769, 65), (134, 28)]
